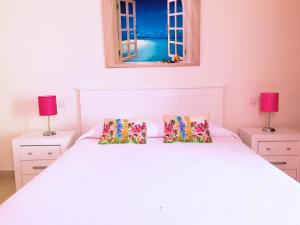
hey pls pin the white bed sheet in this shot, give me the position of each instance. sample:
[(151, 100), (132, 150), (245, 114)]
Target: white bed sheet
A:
[(223, 183)]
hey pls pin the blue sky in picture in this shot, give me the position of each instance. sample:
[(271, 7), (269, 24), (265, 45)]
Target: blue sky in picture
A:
[(152, 18)]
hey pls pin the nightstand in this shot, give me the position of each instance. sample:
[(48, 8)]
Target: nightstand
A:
[(280, 148), (34, 152)]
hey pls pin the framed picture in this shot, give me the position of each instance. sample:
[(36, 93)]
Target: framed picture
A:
[(151, 32)]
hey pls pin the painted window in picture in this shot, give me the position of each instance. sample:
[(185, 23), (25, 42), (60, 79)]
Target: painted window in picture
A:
[(151, 30)]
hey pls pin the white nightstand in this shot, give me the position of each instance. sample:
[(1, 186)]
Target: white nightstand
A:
[(34, 152), (281, 148)]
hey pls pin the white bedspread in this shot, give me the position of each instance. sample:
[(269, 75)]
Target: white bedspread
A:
[(223, 183)]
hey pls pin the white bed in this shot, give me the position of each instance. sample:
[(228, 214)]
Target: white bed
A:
[(223, 183)]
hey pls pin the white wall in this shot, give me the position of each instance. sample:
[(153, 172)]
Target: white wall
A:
[(52, 46)]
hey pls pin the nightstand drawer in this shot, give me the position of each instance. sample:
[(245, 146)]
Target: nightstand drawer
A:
[(278, 148), (291, 173), (40, 152), (35, 167), (283, 162)]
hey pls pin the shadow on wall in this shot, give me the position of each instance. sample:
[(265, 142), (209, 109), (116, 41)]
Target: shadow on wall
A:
[(23, 109)]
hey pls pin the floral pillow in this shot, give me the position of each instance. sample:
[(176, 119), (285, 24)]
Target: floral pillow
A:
[(122, 131), (137, 132), (177, 128), (184, 124), (115, 131), (186, 129), (199, 129), (171, 128)]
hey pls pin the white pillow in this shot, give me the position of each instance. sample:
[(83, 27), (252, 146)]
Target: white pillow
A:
[(154, 130), (93, 133), (217, 131)]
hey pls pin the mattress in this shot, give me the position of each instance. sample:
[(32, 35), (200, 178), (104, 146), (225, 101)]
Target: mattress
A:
[(223, 183)]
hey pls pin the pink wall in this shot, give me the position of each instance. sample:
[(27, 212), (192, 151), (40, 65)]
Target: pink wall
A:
[(52, 46)]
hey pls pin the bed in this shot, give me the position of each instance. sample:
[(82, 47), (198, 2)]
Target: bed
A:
[(223, 183)]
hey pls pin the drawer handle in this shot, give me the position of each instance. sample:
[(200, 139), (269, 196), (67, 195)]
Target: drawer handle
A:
[(288, 148), (29, 153), (269, 149), (279, 163), (49, 153), (39, 167)]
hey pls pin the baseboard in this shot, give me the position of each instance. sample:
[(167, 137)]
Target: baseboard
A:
[(7, 174)]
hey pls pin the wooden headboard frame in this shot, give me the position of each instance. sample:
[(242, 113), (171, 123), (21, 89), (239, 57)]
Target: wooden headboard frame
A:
[(97, 104)]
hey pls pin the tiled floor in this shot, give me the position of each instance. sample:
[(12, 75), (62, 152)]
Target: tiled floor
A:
[(7, 188)]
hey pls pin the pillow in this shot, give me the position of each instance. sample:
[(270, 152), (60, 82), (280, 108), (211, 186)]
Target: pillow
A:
[(155, 129), (184, 124), (137, 131), (217, 131), (199, 129), (92, 133), (122, 131), (186, 129), (171, 127), (115, 131)]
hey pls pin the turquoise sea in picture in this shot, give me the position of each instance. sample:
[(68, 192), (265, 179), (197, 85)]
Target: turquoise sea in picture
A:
[(152, 33)]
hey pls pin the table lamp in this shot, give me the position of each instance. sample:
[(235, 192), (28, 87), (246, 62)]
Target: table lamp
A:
[(269, 102), (48, 107)]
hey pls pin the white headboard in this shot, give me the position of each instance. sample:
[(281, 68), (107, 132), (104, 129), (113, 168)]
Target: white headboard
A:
[(152, 104)]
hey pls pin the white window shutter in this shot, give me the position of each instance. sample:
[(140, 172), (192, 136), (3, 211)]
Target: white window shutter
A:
[(176, 27), (127, 30)]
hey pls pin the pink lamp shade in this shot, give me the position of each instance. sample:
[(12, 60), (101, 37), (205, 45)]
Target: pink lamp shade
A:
[(269, 101), (47, 105)]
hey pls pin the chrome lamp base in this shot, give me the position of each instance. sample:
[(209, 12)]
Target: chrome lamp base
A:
[(269, 129), (49, 133)]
